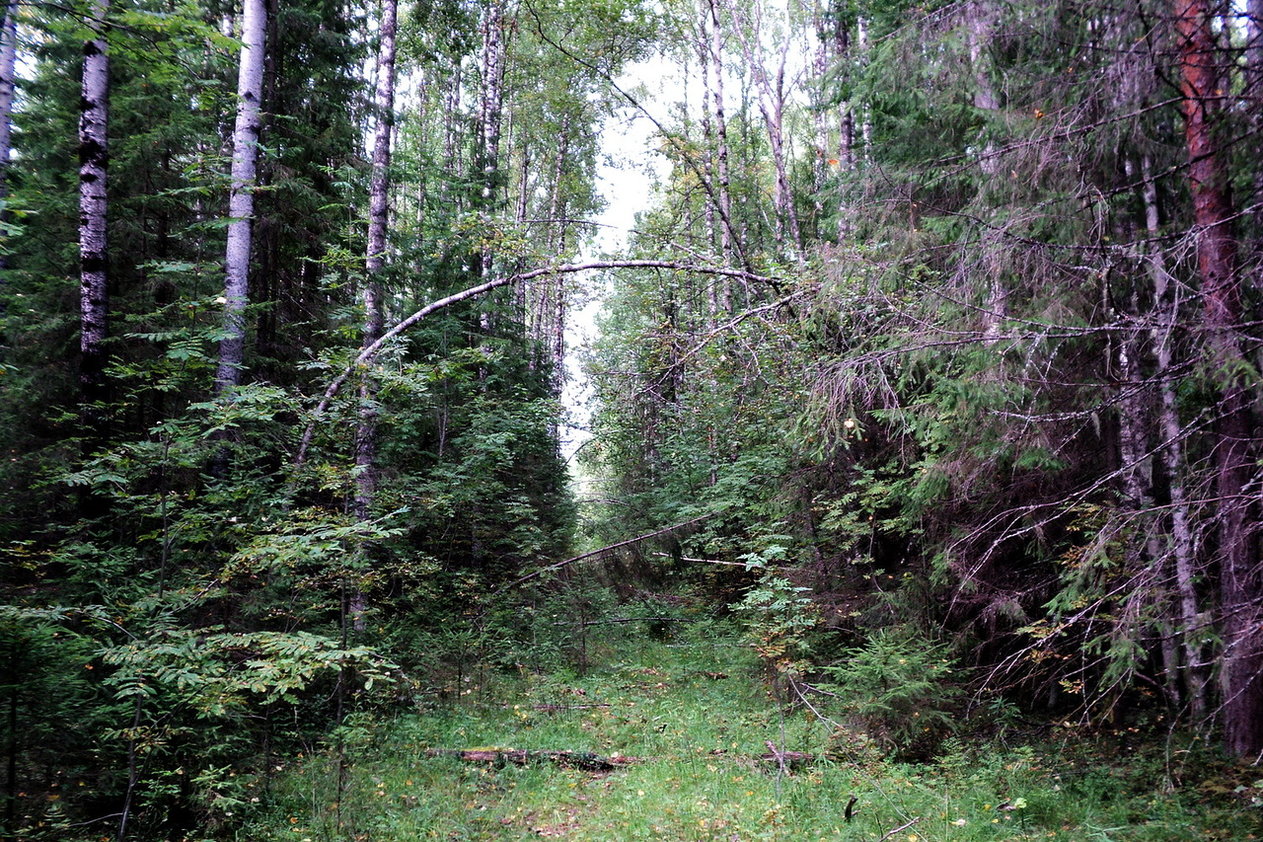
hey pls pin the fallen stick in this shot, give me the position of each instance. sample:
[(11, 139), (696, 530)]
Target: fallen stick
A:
[(778, 755), (585, 760), (899, 828)]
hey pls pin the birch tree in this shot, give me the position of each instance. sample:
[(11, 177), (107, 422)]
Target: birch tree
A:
[(93, 212), (245, 153), (8, 64)]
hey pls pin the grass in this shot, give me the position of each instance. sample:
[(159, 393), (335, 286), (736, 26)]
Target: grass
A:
[(696, 713)]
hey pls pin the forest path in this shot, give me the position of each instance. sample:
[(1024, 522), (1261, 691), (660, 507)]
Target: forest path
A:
[(693, 712), (690, 716)]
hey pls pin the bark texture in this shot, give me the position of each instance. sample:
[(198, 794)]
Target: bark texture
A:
[(93, 214), (8, 63), (245, 155), (378, 219), (1241, 684)]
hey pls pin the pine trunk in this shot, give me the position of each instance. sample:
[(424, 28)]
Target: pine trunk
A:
[(245, 155), (93, 211), (1240, 591)]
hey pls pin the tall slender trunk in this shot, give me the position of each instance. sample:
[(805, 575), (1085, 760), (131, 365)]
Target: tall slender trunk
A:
[(702, 46), (366, 477), (93, 212), (245, 155), (723, 189), (1240, 589), (771, 99), (8, 65), (378, 222), (842, 52), (1190, 666), (979, 32), (1253, 95)]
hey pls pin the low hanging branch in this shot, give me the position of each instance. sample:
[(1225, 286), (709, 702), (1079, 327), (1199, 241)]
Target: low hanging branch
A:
[(370, 353)]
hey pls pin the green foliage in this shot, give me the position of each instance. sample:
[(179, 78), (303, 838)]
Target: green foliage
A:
[(780, 616), (696, 739), (899, 689)]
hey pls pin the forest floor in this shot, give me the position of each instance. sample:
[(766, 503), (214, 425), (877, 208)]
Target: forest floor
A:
[(686, 724)]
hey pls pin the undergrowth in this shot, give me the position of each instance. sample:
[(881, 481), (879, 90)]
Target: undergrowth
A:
[(696, 715)]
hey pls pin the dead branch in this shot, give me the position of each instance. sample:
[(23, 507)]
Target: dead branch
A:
[(899, 828)]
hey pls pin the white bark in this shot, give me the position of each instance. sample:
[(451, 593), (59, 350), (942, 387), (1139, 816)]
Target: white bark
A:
[(979, 29), (245, 154), (723, 193), (93, 208), (8, 63), (1183, 547), (771, 96), (378, 221)]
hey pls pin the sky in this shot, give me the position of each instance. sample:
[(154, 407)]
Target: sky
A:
[(631, 165)]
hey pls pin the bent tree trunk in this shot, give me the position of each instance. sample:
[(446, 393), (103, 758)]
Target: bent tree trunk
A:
[(245, 154), (1240, 589), (93, 209)]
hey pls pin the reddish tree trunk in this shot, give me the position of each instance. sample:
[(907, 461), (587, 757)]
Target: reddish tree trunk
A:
[(1239, 587)]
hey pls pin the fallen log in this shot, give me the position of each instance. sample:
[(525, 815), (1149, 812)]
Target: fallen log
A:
[(585, 760)]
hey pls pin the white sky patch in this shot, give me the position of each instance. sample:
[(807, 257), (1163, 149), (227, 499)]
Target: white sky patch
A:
[(631, 165)]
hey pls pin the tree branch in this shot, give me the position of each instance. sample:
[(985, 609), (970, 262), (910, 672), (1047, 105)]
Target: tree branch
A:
[(367, 355)]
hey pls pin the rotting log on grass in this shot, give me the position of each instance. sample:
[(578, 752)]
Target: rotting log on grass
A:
[(585, 760)]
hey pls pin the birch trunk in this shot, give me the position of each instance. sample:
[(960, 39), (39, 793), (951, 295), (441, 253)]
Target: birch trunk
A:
[(771, 100), (490, 115), (378, 221), (723, 191), (245, 154), (8, 65), (1190, 668), (93, 212), (979, 29), (1240, 591)]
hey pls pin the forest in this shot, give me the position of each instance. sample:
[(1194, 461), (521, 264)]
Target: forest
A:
[(917, 494)]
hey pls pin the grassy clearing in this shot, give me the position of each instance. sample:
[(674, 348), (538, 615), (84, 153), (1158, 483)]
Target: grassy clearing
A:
[(697, 714)]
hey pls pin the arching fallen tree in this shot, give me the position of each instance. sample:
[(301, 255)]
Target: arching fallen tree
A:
[(369, 353)]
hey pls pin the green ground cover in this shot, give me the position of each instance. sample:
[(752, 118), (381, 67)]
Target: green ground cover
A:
[(696, 713)]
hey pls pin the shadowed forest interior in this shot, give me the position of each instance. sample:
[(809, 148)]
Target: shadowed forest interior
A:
[(917, 493)]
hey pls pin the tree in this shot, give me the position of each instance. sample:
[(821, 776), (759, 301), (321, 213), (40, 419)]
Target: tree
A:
[(8, 64), (378, 219), (93, 217), (245, 155), (1241, 581)]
